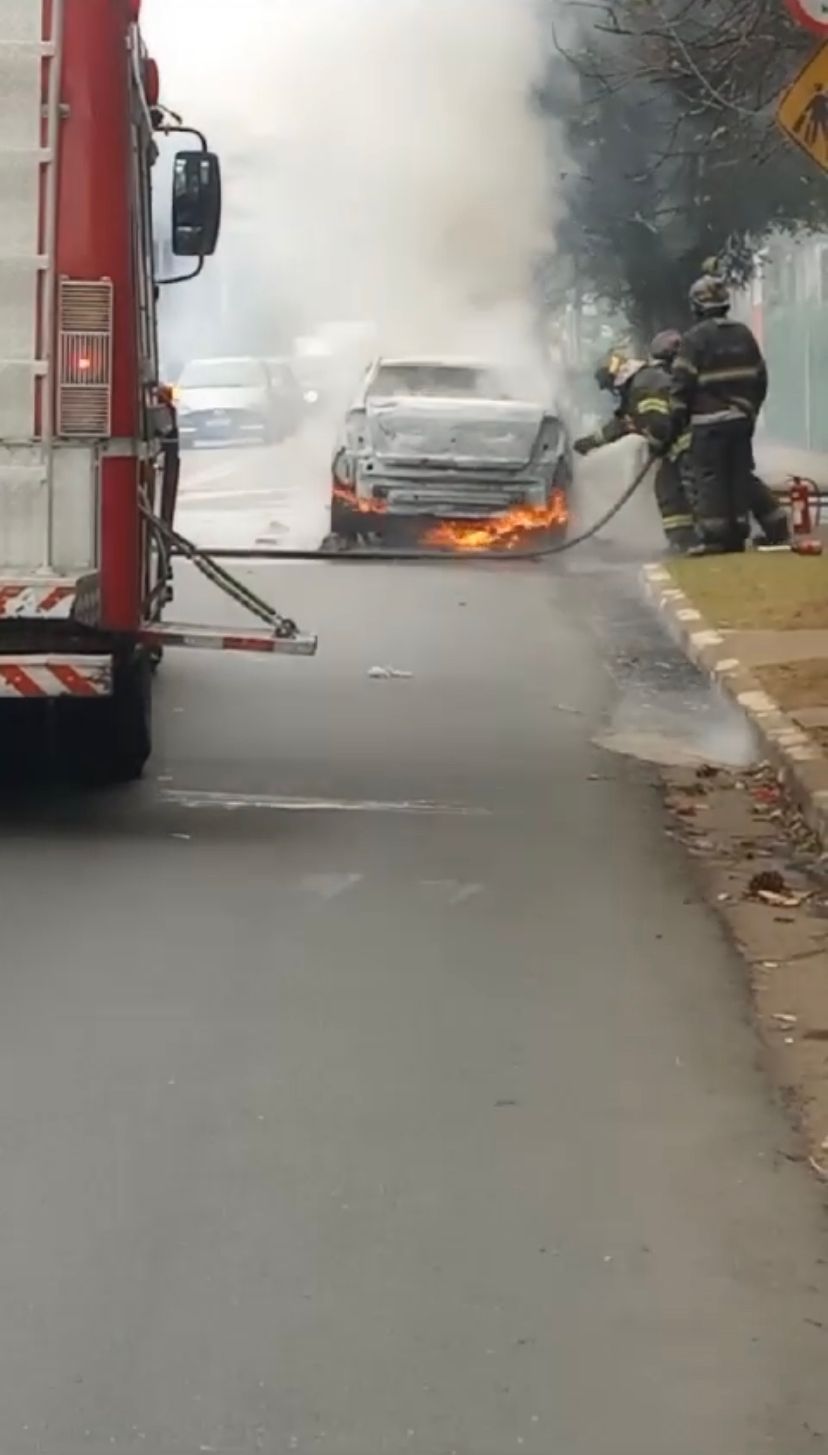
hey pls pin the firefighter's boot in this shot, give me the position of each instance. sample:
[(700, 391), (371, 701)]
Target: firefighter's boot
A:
[(769, 514)]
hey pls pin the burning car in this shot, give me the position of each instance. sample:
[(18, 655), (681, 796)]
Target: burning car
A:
[(455, 454)]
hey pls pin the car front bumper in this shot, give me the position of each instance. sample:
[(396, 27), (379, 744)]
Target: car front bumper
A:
[(220, 426)]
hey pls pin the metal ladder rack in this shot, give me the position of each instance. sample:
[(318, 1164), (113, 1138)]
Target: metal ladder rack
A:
[(29, 135)]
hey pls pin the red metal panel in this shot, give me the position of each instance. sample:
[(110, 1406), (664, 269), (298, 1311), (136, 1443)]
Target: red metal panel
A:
[(95, 241)]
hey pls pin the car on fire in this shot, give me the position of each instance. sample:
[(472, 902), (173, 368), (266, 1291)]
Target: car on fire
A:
[(451, 452)]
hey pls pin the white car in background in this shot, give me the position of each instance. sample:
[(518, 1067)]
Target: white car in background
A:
[(431, 440)]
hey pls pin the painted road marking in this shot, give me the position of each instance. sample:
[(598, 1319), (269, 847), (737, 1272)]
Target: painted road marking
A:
[(329, 886), (203, 476), (188, 497), (231, 802), (458, 893)]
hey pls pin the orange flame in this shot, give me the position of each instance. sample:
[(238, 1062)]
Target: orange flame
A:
[(350, 498), (501, 532)]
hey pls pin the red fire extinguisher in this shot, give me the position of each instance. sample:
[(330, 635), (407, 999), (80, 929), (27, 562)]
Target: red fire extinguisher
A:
[(800, 498)]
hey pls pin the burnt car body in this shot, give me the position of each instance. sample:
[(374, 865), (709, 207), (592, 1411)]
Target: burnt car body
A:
[(435, 440)]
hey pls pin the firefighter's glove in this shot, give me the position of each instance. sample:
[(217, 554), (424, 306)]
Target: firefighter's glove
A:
[(659, 449), (585, 444)]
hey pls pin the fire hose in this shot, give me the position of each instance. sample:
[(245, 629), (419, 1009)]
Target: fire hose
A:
[(532, 553)]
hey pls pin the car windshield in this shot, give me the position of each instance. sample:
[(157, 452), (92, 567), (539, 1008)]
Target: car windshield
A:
[(442, 381), (221, 374)]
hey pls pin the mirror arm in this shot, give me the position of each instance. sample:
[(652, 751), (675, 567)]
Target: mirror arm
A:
[(187, 131), (185, 277)]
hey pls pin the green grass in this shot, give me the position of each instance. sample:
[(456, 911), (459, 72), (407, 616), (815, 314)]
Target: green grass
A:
[(760, 591)]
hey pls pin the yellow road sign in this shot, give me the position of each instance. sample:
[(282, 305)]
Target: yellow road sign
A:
[(802, 112)]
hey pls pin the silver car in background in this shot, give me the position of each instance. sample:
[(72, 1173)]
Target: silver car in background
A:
[(237, 401), (434, 440)]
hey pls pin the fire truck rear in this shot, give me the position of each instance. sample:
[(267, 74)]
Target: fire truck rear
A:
[(88, 439)]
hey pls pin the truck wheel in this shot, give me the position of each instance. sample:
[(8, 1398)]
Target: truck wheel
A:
[(110, 740), (127, 729)]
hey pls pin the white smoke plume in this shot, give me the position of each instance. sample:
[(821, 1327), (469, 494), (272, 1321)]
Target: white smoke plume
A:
[(382, 160)]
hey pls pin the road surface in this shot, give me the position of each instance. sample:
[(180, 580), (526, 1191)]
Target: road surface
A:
[(372, 1081)]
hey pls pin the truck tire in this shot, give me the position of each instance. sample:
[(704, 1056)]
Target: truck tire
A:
[(109, 741), (131, 706)]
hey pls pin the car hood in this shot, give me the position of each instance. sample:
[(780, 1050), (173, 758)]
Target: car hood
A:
[(474, 432), (222, 399)]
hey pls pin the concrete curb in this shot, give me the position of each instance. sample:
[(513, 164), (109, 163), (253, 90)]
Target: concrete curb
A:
[(802, 766)]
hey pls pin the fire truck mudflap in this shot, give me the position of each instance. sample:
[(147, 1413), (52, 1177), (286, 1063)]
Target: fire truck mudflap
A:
[(32, 675)]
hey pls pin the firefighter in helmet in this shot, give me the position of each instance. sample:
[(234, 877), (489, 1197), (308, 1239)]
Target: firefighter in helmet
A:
[(642, 391), (718, 385), (771, 517)]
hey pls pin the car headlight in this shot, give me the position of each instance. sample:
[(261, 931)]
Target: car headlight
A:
[(311, 396)]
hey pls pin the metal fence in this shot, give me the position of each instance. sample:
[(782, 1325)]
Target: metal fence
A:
[(794, 318)]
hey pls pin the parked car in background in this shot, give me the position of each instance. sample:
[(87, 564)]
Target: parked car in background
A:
[(236, 401), (439, 440), (288, 406)]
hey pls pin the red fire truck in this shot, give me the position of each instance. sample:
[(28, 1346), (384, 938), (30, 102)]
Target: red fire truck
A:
[(88, 443)]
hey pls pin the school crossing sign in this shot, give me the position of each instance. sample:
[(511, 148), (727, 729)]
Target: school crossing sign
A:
[(802, 112)]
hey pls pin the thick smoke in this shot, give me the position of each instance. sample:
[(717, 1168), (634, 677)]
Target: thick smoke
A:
[(382, 163)]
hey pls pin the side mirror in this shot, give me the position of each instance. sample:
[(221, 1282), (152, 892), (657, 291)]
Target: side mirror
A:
[(196, 208)]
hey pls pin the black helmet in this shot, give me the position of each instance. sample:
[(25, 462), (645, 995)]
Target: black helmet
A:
[(709, 296), (665, 345), (606, 375)]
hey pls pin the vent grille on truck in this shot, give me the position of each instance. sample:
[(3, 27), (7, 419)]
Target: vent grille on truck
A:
[(85, 367)]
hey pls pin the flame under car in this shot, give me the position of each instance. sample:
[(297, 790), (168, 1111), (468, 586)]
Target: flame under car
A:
[(449, 456)]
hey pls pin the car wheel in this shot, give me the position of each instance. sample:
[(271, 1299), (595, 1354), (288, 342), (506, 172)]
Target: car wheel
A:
[(345, 523)]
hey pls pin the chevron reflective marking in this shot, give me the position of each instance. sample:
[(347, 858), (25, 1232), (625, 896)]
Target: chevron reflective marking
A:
[(51, 599), (55, 676)]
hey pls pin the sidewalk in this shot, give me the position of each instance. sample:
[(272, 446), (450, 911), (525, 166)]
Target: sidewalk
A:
[(759, 624)]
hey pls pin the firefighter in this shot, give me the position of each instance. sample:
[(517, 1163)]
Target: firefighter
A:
[(671, 492), (771, 517), (718, 385), (643, 394)]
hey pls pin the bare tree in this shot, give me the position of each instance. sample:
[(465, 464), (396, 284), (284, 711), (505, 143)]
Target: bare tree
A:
[(665, 110)]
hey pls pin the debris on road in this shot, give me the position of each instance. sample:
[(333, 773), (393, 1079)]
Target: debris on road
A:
[(380, 674), (766, 794), (751, 818), (771, 887), (780, 901)]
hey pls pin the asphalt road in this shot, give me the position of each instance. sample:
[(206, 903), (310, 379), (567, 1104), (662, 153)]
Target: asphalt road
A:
[(372, 1081)]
